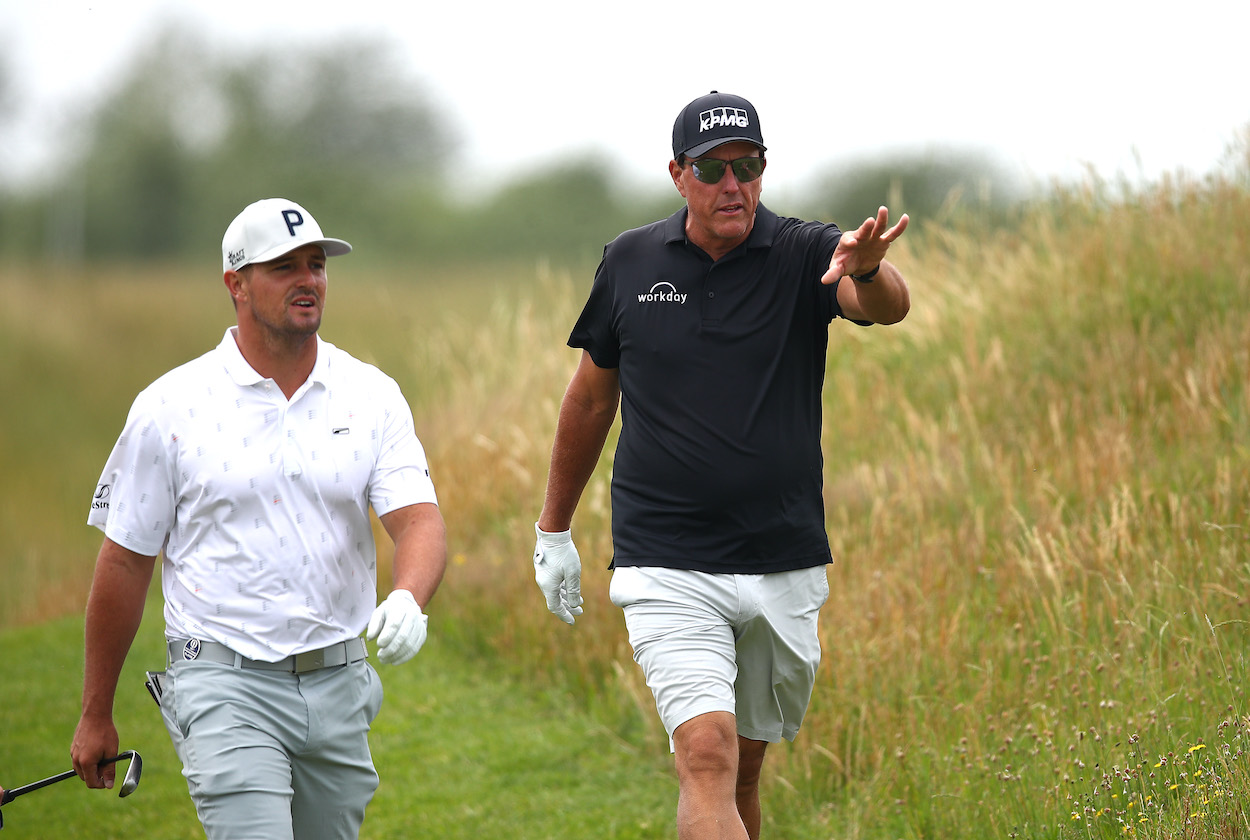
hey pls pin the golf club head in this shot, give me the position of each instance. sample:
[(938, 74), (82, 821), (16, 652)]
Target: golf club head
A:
[(131, 780), (133, 773)]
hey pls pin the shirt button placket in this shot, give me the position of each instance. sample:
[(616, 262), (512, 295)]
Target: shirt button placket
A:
[(290, 456), (709, 297)]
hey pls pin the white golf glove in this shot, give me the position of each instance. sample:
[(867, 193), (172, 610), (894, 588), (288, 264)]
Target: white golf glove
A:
[(558, 570), (399, 627)]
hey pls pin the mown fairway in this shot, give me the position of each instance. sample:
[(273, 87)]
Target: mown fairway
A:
[(462, 752), (1036, 487)]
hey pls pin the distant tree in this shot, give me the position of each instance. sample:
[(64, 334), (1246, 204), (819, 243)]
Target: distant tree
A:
[(569, 205), (928, 185), (344, 129), (8, 97), (189, 136), (569, 209), (8, 115)]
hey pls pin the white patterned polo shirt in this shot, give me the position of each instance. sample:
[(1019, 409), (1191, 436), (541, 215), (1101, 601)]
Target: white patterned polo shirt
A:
[(260, 504)]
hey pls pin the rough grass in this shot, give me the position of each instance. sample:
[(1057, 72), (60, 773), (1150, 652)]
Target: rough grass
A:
[(1036, 490)]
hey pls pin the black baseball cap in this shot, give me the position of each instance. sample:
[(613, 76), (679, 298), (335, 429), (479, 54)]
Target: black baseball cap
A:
[(712, 120)]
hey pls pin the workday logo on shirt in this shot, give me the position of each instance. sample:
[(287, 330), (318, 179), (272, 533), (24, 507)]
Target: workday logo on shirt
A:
[(662, 292)]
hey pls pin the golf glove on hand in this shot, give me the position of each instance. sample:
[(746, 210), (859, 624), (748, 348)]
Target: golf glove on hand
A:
[(399, 627), (558, 570)]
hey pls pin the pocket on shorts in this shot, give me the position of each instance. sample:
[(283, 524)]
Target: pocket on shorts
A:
[(626, 586)]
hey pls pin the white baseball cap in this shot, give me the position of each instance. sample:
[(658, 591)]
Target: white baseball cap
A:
[(269, 228)]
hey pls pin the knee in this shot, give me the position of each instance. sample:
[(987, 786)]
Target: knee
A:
[(706, 748)]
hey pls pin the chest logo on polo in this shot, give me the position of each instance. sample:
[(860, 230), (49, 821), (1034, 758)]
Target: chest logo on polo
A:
[(662, 292)]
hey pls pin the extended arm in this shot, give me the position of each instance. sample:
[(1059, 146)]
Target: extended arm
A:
[(114, 612), (883, 298)]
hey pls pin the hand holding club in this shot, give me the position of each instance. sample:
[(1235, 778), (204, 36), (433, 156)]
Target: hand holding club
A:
[(129, 783)]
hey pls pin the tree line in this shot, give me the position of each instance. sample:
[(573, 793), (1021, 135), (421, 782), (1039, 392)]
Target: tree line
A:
[(189, 133)]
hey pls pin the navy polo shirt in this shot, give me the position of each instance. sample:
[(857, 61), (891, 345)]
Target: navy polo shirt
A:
[(718, 465)]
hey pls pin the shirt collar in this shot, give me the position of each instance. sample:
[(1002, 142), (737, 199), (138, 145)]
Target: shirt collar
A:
[(762, 233), (244, 374)]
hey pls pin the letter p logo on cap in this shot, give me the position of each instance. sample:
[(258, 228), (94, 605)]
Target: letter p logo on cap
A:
[(256, 234), (293, 219)]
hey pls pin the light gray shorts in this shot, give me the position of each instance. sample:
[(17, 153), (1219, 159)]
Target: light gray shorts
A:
[(271, 755), (743, 644)]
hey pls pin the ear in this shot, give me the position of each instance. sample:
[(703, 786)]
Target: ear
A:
[(234, 285), (675, 172)]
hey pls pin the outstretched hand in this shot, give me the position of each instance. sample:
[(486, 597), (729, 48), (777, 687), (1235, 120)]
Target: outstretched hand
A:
[(860, 251)]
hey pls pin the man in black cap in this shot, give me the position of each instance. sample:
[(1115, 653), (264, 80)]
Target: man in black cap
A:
[(710, 330)]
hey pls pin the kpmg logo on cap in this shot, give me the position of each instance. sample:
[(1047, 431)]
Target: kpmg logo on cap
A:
[(723, 117)]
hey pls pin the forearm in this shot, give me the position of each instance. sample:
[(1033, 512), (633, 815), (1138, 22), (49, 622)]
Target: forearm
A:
[(885, 300), (420, 550), (119, 589), (580, 435)]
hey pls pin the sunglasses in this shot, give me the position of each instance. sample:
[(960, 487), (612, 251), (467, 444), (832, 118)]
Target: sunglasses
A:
[(711, 170)]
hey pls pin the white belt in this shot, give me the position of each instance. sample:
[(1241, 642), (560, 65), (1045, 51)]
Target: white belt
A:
[(341, 653)]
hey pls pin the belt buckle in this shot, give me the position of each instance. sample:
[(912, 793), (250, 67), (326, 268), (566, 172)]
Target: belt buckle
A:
[(312, 660)]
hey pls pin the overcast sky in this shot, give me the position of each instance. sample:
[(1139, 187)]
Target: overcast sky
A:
[(1132, 88)]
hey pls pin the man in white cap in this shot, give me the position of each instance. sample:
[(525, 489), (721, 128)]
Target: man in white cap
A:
[(252, 470), (710, 329)]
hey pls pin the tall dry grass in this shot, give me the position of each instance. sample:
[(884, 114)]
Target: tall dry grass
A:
[(1036, 489), (1041, 587)]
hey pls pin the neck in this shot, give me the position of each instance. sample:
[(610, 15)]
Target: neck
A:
[(713, 245), (286, 359)]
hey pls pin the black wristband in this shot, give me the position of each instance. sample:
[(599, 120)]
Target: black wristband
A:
[(866, 278)]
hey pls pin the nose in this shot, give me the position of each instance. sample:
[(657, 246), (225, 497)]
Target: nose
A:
[(309, 273)]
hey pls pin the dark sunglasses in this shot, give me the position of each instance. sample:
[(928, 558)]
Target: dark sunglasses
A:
[(711, 170)]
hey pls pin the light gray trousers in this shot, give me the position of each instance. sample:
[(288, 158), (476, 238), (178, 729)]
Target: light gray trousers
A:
[(271, 755)]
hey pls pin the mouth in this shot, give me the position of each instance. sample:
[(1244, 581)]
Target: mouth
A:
[(730, 209), (304, 302)]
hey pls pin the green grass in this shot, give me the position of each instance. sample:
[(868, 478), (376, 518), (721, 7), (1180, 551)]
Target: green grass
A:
[(1036, 489), (462, 752)]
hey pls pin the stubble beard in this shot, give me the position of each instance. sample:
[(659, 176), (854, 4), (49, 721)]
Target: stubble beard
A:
[(286, 333)]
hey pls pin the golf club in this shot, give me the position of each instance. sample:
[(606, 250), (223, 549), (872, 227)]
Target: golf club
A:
[(129, 783)]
